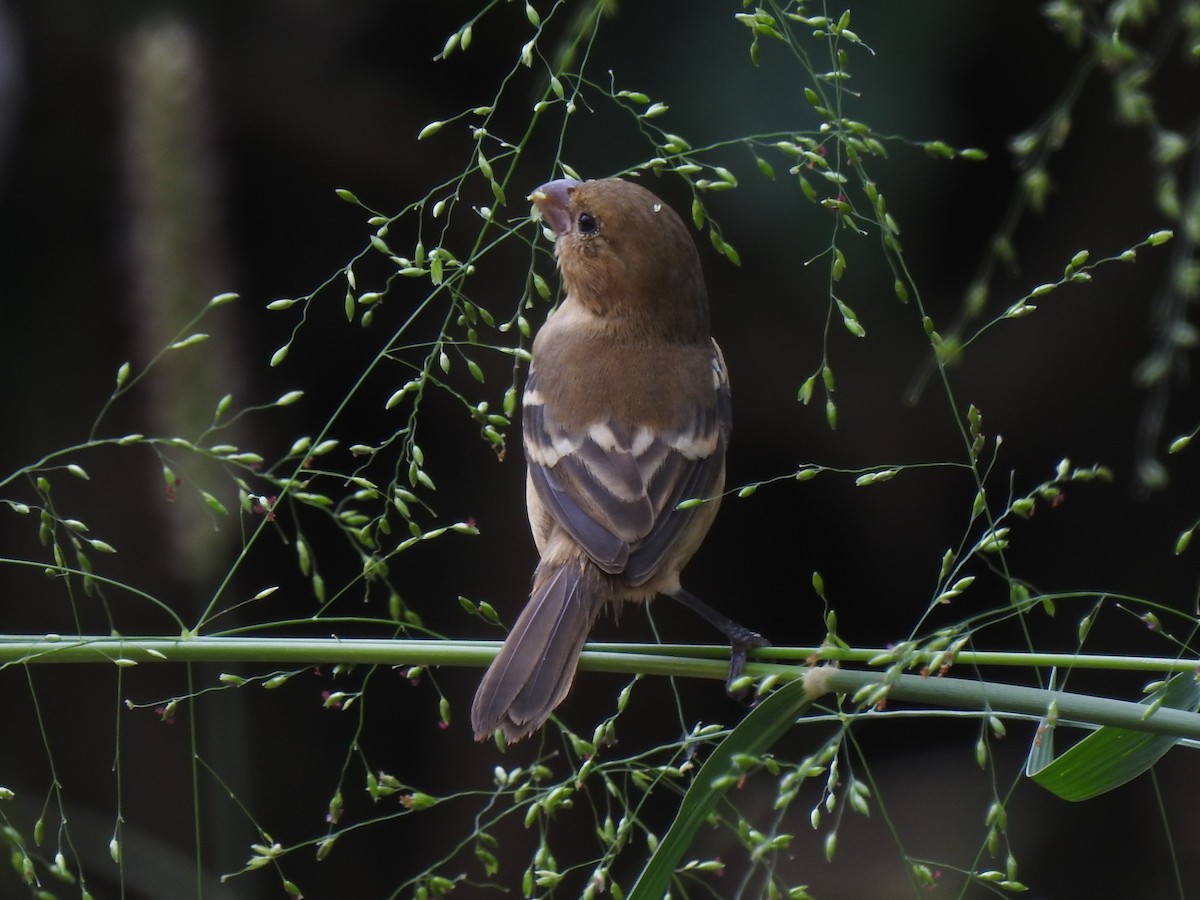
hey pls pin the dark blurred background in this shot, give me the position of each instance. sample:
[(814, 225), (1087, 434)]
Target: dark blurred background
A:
[(154, 154)]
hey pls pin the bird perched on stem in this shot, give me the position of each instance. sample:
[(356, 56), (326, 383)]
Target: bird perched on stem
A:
[(626, 414)]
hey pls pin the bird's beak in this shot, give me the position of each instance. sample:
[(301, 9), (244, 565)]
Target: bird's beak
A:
[(553, 200)]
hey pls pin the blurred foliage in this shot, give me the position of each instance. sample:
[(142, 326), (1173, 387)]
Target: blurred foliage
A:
[(282, 466)]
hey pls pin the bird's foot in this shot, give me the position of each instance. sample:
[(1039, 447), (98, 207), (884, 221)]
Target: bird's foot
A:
[(741, 641)]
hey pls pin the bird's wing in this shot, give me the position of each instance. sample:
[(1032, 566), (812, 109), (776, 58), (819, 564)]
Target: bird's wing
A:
[(615, 489)]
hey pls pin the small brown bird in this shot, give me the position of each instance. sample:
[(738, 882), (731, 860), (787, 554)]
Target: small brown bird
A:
[(626, 414)]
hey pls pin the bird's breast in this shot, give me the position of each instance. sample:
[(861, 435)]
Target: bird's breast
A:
[(585, 382)]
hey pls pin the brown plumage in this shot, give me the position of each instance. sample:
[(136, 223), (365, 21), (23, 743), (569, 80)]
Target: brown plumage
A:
[(626, 412)]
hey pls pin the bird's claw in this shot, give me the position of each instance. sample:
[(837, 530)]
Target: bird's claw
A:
[(740, 645)]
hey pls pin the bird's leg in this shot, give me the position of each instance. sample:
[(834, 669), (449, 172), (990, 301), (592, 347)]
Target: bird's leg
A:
[(741, 639)]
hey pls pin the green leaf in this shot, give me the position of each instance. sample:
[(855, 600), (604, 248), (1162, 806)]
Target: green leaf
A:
[(1109, 757), (189, 341), (839, 265), (756, 734), (806, 390), (938, 148), (849, 318), (430, 130), (818, 584), (1185, 538)]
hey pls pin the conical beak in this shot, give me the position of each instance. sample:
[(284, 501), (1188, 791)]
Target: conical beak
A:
[(553, 200)]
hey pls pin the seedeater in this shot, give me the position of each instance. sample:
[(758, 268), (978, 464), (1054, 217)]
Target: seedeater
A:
[(626, 413)]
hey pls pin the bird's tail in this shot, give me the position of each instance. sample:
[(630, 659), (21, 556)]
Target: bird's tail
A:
[(534, 669)]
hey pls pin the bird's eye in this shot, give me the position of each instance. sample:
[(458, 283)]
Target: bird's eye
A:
[(588, 224)]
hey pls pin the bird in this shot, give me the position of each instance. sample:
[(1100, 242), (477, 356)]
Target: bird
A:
[(625, 414)]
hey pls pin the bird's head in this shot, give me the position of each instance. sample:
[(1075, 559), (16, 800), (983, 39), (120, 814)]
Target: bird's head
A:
[(625, 253)]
